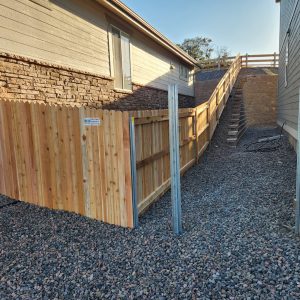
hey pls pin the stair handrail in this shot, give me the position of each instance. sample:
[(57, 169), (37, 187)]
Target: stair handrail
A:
[(218, 98), (236, 64)]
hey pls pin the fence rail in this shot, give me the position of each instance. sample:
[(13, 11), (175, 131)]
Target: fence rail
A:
[(260, 60)]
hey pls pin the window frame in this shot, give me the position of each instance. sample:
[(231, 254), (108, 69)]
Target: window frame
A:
[(111, 56), (181, 76)]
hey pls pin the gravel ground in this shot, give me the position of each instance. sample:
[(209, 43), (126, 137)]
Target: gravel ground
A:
[(236, 244)]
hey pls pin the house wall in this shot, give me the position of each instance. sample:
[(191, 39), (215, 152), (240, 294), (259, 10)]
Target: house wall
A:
[(74, 34), (151, 66), (31, 80), (288, 97)]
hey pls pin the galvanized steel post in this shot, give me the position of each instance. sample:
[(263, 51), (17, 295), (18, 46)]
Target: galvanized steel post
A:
[(174, 157), (297, 213), (133, 173)]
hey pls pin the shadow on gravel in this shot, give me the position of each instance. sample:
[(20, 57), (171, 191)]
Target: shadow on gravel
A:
[(236, 206)]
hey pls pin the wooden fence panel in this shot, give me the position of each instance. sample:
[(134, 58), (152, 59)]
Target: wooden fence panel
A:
[(196, 128), (49, 158)]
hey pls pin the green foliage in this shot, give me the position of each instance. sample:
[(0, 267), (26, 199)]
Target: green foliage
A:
[(200, 48), (222, 52)]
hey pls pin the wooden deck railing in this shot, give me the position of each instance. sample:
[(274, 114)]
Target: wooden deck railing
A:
[(248, 61), (260, 60)]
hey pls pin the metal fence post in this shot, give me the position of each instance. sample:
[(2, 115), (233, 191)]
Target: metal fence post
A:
[(133, 173), (297, 213), (174, 158)]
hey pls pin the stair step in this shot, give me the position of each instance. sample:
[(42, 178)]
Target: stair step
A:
[(236, 127), (233, 132), (238, 114), (234, 140), (234, 120), (238, 111)]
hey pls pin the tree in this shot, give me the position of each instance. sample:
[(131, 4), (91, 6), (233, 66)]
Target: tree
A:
[(200, 48), (222, 55), (222, 52)]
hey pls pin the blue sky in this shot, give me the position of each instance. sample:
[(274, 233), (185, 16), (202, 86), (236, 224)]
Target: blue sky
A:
[(245, 26)]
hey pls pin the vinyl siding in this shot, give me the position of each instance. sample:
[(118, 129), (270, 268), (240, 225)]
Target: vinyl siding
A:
[(288, 97), (74, 34), (151, 66)]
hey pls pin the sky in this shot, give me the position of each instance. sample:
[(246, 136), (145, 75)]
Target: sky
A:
[(243, 26)]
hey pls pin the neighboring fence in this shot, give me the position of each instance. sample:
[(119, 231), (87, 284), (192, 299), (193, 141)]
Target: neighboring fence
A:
[(58, 157), (260, 60), (197, 126), (50, 158), (247, 60)]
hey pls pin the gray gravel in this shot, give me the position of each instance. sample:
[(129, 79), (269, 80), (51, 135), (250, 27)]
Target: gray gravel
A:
[(237, 209)]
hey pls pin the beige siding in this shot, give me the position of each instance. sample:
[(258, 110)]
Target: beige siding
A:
[(73, 33), (151, 66), (288, 97)]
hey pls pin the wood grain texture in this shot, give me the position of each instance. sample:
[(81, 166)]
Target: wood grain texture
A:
[(49, 158)]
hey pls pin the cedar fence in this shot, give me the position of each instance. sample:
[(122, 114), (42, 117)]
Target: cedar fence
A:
[(49, 157)]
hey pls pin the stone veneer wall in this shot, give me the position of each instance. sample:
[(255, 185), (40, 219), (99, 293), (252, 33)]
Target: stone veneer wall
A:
[(28, 79)]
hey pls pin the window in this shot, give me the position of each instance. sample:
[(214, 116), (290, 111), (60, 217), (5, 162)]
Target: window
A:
[(183, 73), (121, 59), (286, 63)]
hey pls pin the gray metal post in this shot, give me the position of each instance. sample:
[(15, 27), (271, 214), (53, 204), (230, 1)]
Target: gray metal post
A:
[(133, 173), (297, 213), (174, 157)]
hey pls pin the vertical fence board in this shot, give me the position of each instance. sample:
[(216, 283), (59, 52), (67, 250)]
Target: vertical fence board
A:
[(50, 158)]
